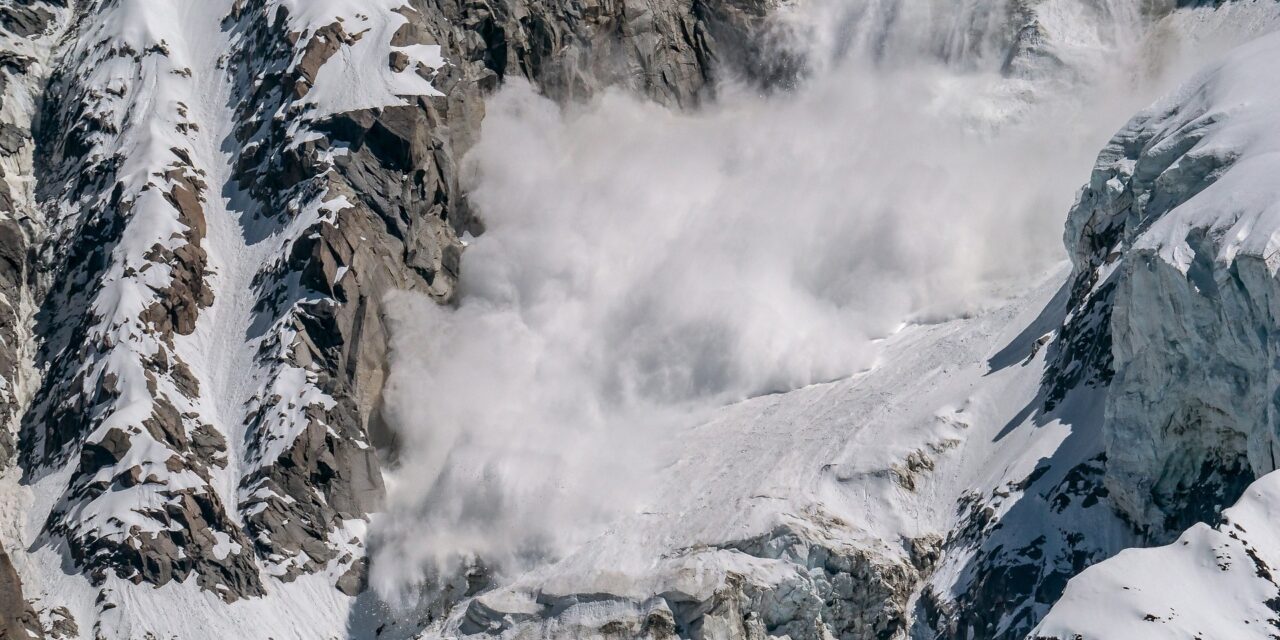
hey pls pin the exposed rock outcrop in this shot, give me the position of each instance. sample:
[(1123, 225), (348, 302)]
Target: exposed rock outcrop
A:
[(232, 177), (1173, 305), (28, 32), (18, 620)]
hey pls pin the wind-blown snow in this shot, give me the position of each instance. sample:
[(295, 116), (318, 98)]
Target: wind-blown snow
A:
[(624, 289)]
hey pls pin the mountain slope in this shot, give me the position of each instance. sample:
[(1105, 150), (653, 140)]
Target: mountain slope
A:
[(225, 191), (207, 206), (1181, 196)]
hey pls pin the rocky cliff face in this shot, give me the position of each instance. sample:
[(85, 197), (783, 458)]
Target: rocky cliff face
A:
[(28, 33), (200, 233), (1172, 286)]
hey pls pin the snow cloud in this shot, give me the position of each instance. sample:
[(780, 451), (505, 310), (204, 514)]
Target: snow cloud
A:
[(643, 266)]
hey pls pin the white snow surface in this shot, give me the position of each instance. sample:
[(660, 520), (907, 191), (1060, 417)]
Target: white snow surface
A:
[(1235, 102), (825, 456), (955, 388), (1214, 581), (357, 76)]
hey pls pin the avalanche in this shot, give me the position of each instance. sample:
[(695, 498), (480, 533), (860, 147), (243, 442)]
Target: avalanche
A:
[(763, 328)]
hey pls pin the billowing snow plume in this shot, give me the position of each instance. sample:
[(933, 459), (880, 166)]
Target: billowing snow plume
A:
[(641, 265)]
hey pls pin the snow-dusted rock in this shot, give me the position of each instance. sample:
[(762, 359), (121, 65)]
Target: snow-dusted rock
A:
[(218, 197), (1175, 294), (28, 33)]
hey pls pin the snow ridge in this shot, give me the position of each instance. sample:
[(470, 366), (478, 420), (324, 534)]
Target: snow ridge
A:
[(171, 322)]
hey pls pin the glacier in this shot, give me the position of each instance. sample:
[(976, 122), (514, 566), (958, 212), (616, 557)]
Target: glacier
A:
[(1179, 195)]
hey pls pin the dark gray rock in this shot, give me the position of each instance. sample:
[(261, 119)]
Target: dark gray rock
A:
[(25, 20), (356, 578), (399, 174)]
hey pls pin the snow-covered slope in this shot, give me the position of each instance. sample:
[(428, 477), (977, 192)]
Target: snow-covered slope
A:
[(1184, 198), (1212, 582), (206, 204)]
